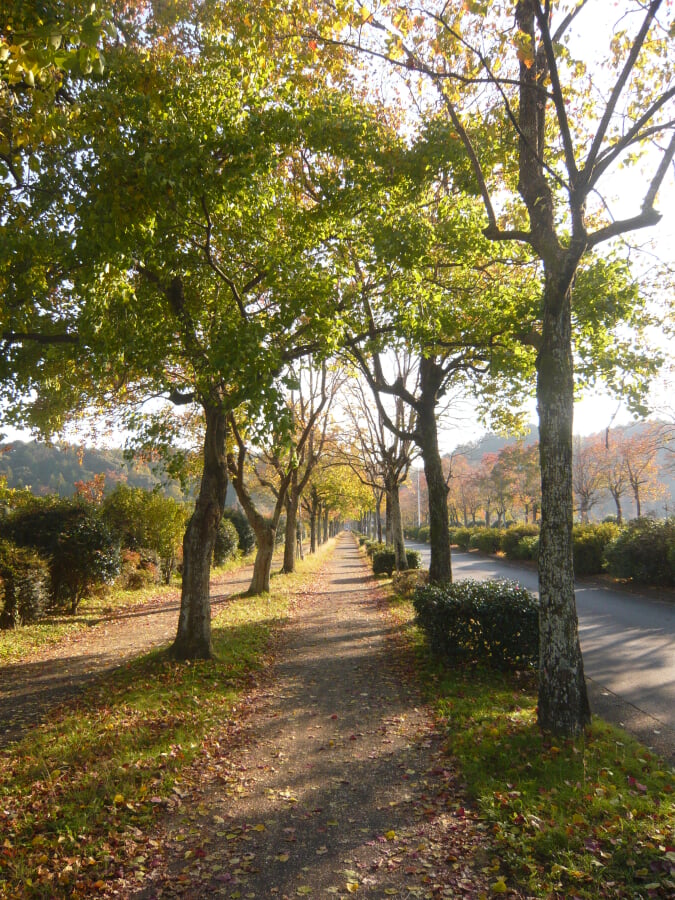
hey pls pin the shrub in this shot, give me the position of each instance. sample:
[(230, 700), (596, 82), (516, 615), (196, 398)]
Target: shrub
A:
[(384, 560), (414, 559), (644, 552), (527, 548), (141, 518), (71, 535), (511, 538), (86, 555), (487, 540), (406, 583), (423, 534), (244, 530), (24, 585), (461, 537), (496, 622), (589, 543), (373, 547), (227, 542)]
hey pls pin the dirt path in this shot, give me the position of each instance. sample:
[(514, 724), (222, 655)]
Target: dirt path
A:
[(58, 672), (337, 784)]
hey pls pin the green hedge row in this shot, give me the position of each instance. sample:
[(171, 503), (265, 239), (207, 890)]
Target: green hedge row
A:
[(384, 561), (493, 622)]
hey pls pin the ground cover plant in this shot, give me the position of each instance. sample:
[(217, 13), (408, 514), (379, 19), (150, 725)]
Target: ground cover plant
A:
[(76, 794), (587, 818)]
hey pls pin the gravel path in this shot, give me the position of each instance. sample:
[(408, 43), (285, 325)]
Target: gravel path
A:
[(58, 672), (335, 782)]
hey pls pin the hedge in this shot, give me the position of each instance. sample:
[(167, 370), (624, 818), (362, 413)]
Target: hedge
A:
[(384, 561), (644, 552), (493, 622)]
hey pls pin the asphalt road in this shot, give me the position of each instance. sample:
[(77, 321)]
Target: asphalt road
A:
[(628, 645)]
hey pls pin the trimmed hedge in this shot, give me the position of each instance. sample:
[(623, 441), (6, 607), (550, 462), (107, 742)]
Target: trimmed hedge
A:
[(493, 622), (644, 552), (487, 540), (589, 544), (461, 537), (384, 561), (24, 585), (512, 536)]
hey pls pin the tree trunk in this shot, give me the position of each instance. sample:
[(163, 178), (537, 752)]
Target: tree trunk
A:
[(193, 639), (563, 701), (440, 566), (617, 502), (325, 525), (388, 529), (262, 568), (397, 528), (291, 539), (312, 531), (638, 507)]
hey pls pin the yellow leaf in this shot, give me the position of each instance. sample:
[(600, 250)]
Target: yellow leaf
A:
[(390, 835), (305, 889), (118, 799), (352, 887), (499, 887), (260, 827), (282, 857)]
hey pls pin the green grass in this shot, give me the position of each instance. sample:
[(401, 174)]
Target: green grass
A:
[(18, 643), (588, 818), (77, 792)]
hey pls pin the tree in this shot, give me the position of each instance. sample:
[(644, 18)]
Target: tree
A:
[(196, 280), (586, 475), (640, 449), (388, 451), (557, 145)]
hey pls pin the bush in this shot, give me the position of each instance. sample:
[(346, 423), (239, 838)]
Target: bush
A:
[(487, 540), (244, 530), (86, 555), (527, 548), (373, 547), (24, 585), (141, 518), (644, 552), (495, 622), (71, 535), (589, 543), (406, 583), (423, 534), (511, 537), (384, 561), (227, 542), (461, 537)]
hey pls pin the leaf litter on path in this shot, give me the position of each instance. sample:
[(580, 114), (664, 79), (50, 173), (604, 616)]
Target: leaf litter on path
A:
[(320, 795)]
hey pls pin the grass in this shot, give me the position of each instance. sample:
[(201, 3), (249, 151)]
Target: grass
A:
[(77, 792), (16, 644), (589, 818)]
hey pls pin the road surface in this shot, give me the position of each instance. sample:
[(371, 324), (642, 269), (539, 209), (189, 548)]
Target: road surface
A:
[(628, 645)]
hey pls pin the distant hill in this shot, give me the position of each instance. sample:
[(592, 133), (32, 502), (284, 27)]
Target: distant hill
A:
[(54, 469), (493, 443)]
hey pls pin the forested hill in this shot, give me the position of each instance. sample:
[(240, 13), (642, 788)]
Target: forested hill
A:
[(493, 443), (54, 469)]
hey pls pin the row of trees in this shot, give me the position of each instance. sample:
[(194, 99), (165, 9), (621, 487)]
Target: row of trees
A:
[(255, 203), (627, 463)]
